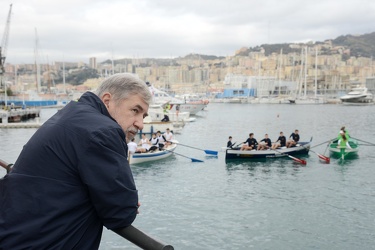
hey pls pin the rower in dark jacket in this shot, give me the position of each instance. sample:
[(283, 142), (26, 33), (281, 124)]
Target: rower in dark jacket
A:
[(72, 177), (280, 142), (250, 144), (230, 143), (294, 139)]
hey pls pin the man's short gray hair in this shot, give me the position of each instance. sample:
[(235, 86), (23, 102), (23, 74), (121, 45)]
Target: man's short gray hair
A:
[(122, 86)]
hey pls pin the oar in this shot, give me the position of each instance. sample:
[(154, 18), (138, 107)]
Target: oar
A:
[(210, 152), (372, 144), (141, 239), (192, 159), (324, 158), (292, 157)]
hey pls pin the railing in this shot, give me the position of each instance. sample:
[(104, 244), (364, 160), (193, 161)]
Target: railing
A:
[(129, 233)]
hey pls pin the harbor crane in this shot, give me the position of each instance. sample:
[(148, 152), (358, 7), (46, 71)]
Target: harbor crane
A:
[(3, 50)]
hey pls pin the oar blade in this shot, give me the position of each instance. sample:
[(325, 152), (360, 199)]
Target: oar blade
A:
[(298, 160), (195, 160), (210, 152), (324, 158)]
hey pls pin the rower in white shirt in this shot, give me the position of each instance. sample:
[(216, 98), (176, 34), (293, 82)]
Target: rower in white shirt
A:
[(168, 135), (132, 146), (144, 143)]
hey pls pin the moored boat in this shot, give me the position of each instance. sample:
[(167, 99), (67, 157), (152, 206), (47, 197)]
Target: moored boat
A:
[(358, 96), (344, 152), (175, 104), (302, 148), (153, 155)]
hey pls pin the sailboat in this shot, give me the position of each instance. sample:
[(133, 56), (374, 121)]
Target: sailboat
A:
[(305, 99)]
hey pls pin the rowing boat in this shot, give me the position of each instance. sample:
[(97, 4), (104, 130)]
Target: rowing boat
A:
[(137, 158), (344, 152), (235, 153)]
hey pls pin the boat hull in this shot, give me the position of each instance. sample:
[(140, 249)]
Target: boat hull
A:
[(301, 149), (358, 96), (138, 158), (344, 152)]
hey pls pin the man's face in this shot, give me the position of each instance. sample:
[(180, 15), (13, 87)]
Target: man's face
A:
[(128, 113)]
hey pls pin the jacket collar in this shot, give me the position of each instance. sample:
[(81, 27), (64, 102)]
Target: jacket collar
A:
[(94, 101)]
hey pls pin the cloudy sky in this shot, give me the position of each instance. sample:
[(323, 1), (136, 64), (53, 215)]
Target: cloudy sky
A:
[(74, 30)]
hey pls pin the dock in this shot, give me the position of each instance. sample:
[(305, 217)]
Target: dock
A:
[(16, 115), (20, 125)]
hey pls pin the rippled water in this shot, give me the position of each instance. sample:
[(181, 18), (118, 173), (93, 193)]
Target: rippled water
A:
[(272, 204)]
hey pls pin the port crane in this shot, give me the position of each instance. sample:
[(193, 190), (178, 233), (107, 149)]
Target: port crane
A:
[(3, 51)]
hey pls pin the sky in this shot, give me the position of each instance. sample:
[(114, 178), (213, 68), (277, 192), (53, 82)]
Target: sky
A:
[(75, 30)]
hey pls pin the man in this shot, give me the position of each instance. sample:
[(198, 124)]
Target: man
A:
[(144, 143), (132, 147), (265, 143), (230, 143), (250, 144), (168, 135), (161, 139), (293, 139), (72, 177), (280, 142)]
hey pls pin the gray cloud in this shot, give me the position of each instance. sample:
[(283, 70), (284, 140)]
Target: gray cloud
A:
[(75, 30)]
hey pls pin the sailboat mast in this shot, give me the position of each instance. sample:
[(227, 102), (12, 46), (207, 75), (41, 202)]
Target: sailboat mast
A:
[(300, 74), (305, 81), (280, 63), (316, 71), (64, 75), (38, 84)]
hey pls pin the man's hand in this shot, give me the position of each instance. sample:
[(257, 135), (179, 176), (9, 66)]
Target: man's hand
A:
[(139, 204)]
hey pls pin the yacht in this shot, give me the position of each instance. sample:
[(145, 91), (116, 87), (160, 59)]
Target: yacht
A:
[(358, 95), (174, 104)]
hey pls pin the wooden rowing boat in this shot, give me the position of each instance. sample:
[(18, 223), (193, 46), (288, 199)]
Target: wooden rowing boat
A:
[(340, 152), (137, 158), (300, 149)]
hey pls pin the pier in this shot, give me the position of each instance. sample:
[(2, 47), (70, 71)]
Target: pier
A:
[(16, 115), (20, 125)]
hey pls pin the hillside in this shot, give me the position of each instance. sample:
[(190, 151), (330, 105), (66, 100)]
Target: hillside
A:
[(359, 45)]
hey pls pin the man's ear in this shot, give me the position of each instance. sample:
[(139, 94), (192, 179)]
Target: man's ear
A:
[(106, 99)]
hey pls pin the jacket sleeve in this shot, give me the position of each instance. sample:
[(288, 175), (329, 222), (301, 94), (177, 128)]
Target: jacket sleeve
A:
[(105, 171)]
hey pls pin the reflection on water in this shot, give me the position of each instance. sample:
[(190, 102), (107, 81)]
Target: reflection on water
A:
[(265, 204)]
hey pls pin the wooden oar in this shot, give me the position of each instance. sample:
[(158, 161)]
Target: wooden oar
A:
[(210, 152), (324, 158), (372, 144), (141, 239), (291, 157), (192, 159)]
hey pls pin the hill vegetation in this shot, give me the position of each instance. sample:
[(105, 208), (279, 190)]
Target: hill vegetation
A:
[(359, 46)]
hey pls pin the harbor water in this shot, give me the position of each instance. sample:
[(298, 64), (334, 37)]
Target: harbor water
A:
[(271, 204)]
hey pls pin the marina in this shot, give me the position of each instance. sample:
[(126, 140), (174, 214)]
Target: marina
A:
[(269, 204)]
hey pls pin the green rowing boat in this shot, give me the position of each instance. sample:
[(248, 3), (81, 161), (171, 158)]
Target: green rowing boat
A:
[(344, 152)]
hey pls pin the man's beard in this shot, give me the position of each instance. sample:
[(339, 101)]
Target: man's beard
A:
[(130, 134)]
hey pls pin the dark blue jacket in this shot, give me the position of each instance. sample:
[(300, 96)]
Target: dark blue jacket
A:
[(71, 178)]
